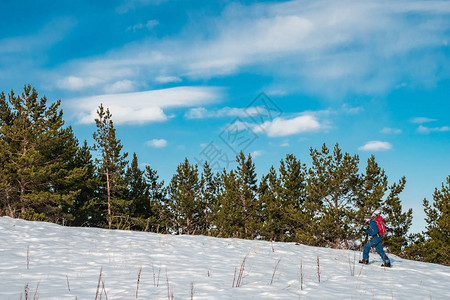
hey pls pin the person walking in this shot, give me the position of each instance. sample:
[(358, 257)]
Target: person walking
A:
[(374, 242)]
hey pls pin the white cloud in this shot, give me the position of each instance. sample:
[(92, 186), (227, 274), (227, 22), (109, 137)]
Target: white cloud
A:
[(388, 130), (426, 130), (196, 113), (157, 143), (286, 144), (74, 83), (143, 107), (421, 120), (257, 153), (167, 79), (285, 127), (376, 146), (151, 24), (120, 86)]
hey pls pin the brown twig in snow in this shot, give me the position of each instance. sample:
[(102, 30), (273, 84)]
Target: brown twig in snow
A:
[(318, 268), (301, 275), (138, 280), (68, 284), (274, 270), (28, 257), (98, 284)]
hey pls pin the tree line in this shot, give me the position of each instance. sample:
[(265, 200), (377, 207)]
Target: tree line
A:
[(47, 175)]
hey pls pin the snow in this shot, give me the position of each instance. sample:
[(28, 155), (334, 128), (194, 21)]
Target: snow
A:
[(50, 259)]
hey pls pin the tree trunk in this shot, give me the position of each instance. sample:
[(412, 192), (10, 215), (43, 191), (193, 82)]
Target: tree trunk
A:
[(8, 204), (108, 192), (22, 196)]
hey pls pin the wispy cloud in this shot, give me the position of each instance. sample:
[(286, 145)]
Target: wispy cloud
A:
[(157, 143), (74, 83), (316, 46), (387, 130), (167, 79), (128, 5), (352, 110), (426, 130), (376, 146), (143, 107), (202, 113), (23, 56), (421, 120), (149, 25), (120, 86)]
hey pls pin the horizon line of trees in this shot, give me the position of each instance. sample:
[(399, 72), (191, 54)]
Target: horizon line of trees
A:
[(46, 175)]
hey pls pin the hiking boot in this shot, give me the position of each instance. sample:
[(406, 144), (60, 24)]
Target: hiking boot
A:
[(364, 261), (387, 265)]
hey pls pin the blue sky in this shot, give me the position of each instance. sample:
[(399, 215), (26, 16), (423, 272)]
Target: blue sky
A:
[(203, 79)]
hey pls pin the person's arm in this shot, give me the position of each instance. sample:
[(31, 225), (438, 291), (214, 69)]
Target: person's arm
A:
[(373, 228)]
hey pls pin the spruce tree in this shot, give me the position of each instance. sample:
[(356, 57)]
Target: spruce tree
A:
[(111, 165)]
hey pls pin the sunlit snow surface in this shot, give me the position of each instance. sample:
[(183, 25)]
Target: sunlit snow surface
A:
[(47, 260)]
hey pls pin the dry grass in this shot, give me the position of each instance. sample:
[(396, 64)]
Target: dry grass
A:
[(237, 282), (98, 284)]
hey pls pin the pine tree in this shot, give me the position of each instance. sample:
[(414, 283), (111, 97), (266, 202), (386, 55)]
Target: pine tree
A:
[(138, 195), (295, 220), (229, 215), (433, 245), (159, 219), (111, 165), (146, 196), (87, 208), (331, 182), (247, 188), (397, 221), (37, 153), (438, 224), (6, 189), (271, 210), (184, 199), (209, 189)]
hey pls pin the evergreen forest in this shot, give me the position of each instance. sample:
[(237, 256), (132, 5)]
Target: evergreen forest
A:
[(47, 174)]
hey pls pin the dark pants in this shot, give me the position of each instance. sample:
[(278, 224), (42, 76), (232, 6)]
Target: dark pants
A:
[(375, 242)]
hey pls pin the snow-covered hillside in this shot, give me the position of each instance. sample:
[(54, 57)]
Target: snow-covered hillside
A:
[(55, 262)]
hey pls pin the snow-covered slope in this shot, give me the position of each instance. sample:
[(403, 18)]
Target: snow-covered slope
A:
[(55, 262)]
